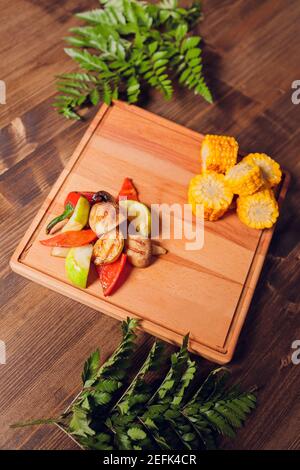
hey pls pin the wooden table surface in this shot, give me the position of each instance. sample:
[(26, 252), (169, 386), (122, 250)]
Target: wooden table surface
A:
[(252, 57)]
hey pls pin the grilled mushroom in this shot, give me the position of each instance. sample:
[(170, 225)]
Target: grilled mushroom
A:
[(139, 250), (105, 214)]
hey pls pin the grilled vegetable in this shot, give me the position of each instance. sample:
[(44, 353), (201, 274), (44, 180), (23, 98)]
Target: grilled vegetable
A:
[(78, 263), (138, 250), (77, 222), (69, 207), (103, 196), (244, 178), (259, 210), (138, 215), (128, 190), (270, 169), (70, 239), (108, 248), (218, 153), (110, 274), (104, 217), (211, 191), (158, 250)]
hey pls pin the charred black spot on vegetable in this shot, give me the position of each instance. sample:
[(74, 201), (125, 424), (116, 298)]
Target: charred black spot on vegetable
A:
[(103, 196)]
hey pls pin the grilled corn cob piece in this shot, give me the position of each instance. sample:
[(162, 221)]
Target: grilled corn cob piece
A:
[(210, 191), (258, 210), (244, 178), (218, 153), (270, 169)]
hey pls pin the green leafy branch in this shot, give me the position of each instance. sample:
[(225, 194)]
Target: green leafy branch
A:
[(150, 412), (126, 44)]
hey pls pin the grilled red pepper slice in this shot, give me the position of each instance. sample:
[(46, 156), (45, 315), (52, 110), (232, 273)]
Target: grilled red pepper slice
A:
[(69, 205), (109, 274), (70, 239), (128, 190), (72, 198)]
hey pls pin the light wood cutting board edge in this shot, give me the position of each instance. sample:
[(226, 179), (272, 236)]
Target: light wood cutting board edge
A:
[(222, 355)]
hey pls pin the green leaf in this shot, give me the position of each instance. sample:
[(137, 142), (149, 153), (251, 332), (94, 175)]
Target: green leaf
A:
[(220, 423), (69, 114), (93, 16), (151, 414), (95, 96), (76, 42), (190, 43), (126, 42), (102, 398), (189, 436), (185, 74), (69, 90), (159, 63), (159, 55), (79, 77), (101, 441), (123, 441), (153, 47), (86, 60), (181, 32), (192, 53), (107, 93), (79, 424), (133, 89), (178, 364), (135, 393), (136, 434), (227, 413), (109, 385), (203, 90), (184, 383), (91, 366), (213, 384)]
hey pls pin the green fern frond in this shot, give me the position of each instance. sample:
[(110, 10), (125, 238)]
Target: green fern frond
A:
[(151, 414), (125, 44)]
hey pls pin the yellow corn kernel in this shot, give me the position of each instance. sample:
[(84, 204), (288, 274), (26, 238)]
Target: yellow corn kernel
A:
[(270, 169), (244, 178), (218, 153), (259, 210), (210, 191)]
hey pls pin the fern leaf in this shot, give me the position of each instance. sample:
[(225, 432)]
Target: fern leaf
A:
[(185, 381), (220, 423), (125, 43), (148, 416), (133, 89), (211, 386), (87, 60), (95, 16), (90, 368), (80, 423), (131, 396), (178, 364)]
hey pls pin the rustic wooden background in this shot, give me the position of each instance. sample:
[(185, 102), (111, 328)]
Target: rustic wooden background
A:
[(252, 56)]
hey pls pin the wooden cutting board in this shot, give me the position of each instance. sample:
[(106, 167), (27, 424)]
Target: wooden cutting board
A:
[(205, 292)]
